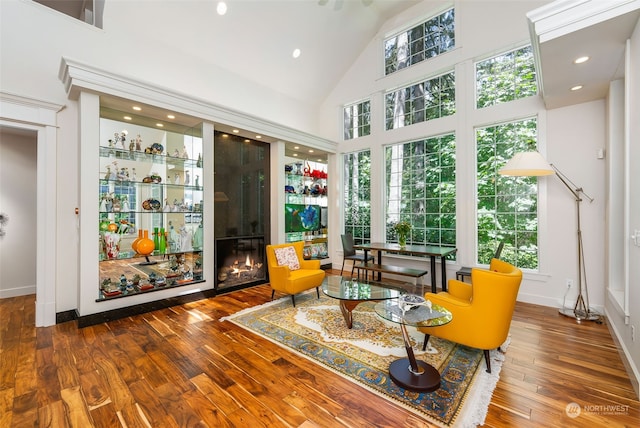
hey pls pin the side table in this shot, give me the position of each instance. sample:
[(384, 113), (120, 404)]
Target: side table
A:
[(409, 373)]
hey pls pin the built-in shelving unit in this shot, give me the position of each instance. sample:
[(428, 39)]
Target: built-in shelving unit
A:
[(306, 207), (150, 216)]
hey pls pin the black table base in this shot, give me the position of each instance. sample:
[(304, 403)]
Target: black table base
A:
[(402, 375)]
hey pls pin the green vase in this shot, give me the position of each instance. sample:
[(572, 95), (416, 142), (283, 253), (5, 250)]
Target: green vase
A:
[(402, 240), (162, 241)]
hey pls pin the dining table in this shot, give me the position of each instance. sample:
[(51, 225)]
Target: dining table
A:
[(430, 251)]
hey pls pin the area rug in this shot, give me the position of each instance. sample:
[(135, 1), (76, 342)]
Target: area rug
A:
[(316, 329)]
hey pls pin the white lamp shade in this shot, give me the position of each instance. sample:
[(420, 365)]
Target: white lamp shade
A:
[(527, 164)]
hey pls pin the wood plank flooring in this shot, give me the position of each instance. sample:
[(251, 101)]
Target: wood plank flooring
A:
[(181, 367)]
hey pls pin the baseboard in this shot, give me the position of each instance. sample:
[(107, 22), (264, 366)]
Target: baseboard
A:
[(115, 314), (625, 356), (17, 291)]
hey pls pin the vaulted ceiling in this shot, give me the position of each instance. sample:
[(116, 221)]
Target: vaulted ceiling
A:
[(255, 39)]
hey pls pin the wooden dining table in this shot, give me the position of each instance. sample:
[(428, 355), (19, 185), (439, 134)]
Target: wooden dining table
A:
[(430, 251)]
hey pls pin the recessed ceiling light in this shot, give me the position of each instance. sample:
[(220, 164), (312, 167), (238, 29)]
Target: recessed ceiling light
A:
[(159, 125), (295, 155), (235, 131), (296, 53), (221, 8), (576, 88), (225, 135), (247, 140), (319, 160), (127, 118), (310, 150), (170, 116), (296, 147), (258, 136), (581, 59), (136, 108)]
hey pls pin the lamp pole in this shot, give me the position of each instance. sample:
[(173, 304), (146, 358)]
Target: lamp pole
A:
[(581, 310)]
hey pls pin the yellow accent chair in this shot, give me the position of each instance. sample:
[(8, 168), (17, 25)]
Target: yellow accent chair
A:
[(482, 310), (297, 276)]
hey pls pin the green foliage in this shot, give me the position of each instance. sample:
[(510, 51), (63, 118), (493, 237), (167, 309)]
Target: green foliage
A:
[(426, 40), (506, 77), (507, 206), (357, 195), (420, 177)]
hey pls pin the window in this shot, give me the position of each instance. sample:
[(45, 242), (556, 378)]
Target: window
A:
[(507, 206), (423, 101), (421, 189), (81, 10), (431, 38), (357, 196), (357, 120), (505, 77)]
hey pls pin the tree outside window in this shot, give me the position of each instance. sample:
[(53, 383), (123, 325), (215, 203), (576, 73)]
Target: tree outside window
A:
[(428, 100), (507, 206), (506, 77), (421, 189), (357, 120), (426, 40), (357, 195)]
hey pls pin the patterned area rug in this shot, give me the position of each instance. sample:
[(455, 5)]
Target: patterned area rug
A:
[(316, 329)]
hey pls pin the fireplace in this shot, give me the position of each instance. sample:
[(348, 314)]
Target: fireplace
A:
[(240, 262)]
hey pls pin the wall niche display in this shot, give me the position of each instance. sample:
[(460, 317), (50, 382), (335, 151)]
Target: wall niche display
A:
[(241, 211), (306, 207), (150, 208)]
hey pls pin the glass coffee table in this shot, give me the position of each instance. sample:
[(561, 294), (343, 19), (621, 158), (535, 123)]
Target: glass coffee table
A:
[(409, 373), (351, 292)]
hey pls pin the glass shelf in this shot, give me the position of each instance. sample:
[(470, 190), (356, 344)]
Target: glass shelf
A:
[(112, 152)]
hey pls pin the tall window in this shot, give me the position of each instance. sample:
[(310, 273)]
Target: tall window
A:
[(506, 77), (421, 189), (357, 195), (423, 101), (357, 120), (424, 41), (507, 206)]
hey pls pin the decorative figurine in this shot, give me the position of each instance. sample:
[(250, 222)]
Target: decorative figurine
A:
[(197, 181), (176, 178), (125, 203), (133, 175), (199, 162), (187, 178), (138, 143), (185, 155)]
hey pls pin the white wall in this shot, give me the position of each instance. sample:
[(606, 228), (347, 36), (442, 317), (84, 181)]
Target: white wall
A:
[(624, 319), (34, 40), (18, 160), (568, 137)]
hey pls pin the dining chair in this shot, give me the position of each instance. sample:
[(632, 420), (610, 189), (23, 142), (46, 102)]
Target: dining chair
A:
[(466, 271), (349, 253)]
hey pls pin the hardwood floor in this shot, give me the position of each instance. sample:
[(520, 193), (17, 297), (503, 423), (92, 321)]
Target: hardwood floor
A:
[(181, 367)]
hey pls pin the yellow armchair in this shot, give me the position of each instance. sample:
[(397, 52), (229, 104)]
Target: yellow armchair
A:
[(292, 281), (482, 310)]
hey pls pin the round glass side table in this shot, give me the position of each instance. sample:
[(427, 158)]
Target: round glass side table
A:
[(409, 373)]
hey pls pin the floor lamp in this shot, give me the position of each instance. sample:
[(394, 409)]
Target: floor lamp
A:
[(532, 164)]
